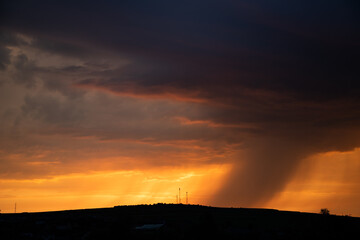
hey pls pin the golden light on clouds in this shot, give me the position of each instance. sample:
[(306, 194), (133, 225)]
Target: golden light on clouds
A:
[(95, 120), (329, 180), (107, 189)]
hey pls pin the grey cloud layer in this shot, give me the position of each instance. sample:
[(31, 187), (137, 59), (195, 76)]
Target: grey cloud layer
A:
[(52, 127), (290, 69)]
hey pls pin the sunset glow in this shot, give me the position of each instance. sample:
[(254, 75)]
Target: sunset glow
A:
[(240, 104), (326, 180), (108, 189)]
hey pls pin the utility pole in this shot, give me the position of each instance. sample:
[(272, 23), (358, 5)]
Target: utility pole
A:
[(15, 207), (179, 197), (187, 200)]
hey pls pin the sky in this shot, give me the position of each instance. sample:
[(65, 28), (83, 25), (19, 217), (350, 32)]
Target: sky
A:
[(239, 103)]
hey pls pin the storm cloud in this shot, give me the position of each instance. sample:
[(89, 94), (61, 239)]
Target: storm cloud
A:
[(261, 85)]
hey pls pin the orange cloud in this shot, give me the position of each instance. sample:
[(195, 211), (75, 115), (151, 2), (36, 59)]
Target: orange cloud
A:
[(209, 123), (129, 90)]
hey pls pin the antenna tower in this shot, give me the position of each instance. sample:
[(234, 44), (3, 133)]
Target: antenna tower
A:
[(187, 200), (179, 197)]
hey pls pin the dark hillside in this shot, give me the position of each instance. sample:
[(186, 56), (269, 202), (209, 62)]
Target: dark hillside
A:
[(171, 221)]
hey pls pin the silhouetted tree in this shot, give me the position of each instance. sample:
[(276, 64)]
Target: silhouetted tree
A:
[(325, 211)]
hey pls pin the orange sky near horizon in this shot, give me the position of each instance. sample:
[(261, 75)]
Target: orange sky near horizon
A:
[(327, 180), (111, 188)]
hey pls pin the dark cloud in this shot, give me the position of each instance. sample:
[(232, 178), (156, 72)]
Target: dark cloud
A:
[(54, 46), (9, 38), (51, 110), (4, 57), (6, 39), (305, 55), (25, 71), (290, 69)]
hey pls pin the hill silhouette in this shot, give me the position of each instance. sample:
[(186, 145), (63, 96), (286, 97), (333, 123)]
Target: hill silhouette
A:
[(176, 221)]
